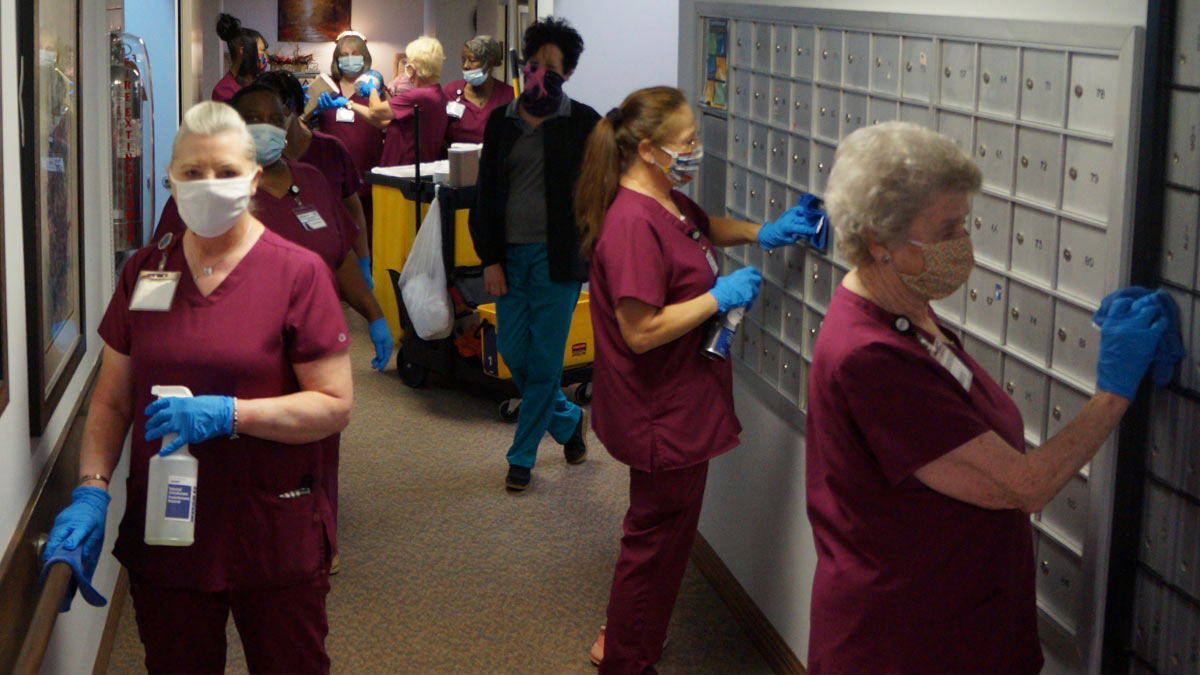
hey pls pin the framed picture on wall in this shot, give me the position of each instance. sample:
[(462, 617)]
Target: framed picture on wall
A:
[(52, 190), (3, 317), (312, 20)]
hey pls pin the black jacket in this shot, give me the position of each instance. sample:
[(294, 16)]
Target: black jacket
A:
[(566, 136)]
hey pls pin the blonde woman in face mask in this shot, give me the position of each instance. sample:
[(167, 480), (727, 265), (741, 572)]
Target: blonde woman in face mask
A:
[(255, 330), (919, 482)]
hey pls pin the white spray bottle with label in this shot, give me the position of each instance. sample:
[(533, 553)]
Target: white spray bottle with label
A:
[(171, 488)]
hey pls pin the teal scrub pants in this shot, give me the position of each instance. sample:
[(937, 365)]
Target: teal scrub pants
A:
[(534, 317)]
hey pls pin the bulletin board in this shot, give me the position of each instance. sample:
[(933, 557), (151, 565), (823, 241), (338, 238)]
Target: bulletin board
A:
[(1045, 111)]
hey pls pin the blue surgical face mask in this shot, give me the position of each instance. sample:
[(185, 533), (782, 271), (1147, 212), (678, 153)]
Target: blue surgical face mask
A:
[(268, 142), (351, 64), (475, 77)]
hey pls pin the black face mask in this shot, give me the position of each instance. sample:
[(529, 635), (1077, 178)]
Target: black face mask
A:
[(543, 91)]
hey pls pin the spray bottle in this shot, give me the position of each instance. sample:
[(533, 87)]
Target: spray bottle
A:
[(720, 334), (171, 489)]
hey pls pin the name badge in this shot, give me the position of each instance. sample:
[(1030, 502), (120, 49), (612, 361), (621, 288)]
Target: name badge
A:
[(712, 262), (309, 218), (455, 109), (945, 356), (344, 115), (154, 292)]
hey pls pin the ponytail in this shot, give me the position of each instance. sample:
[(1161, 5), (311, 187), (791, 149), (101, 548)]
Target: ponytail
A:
[(612, 148), (598, 182)]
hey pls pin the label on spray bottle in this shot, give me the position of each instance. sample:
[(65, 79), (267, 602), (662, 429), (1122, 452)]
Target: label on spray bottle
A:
[(181, 499), (720, 335)]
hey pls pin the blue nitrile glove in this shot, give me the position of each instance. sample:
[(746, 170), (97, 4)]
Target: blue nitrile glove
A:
[(325, 101), (369, 80), (194, 419), (1170, 348), (381, 335), (739, 288), (1128, 340), (364, 264), (80, 523), (305, 88), (805, 220)]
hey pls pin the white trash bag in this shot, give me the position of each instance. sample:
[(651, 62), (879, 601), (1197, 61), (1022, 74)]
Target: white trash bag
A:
[(423, 281)]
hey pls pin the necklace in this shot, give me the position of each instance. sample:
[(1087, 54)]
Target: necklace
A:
[(207, 270)]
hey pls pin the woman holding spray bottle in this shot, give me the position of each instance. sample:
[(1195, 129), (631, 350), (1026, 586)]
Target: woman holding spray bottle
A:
[(661, 405), (250, 324)]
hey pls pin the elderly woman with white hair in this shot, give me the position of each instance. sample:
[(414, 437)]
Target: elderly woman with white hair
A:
[(396, 115), (474, 97), (252, 325), (919, 484)]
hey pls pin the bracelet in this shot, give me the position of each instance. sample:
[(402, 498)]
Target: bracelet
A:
[(93, 476), (233, 427)]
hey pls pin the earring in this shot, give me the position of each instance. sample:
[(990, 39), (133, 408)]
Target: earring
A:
[(885, 259)]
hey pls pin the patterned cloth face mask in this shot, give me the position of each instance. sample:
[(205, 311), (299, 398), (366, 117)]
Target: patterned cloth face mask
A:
[(947, 266), (543, 90), (684, 165)]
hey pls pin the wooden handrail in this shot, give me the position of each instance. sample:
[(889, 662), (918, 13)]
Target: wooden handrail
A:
[(29, 660)]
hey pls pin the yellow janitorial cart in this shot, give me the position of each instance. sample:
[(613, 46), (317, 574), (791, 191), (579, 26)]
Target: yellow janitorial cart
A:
[(469, 356)]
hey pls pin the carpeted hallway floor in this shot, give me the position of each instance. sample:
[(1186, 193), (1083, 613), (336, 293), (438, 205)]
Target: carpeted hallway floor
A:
[(444, 571)]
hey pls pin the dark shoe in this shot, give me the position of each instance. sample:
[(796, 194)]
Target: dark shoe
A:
[(575, 450), (518, 478)]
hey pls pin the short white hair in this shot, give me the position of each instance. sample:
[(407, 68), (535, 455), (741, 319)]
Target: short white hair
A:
[(426, 55), (883, 175), (210, 118)]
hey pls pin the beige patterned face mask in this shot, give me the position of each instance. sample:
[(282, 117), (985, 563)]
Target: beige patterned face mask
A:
[(947, 266)]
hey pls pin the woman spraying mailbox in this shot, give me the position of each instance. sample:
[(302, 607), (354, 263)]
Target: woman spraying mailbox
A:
[(251, 325)]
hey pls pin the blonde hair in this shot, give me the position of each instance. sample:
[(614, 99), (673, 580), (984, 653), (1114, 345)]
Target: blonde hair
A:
[(646, 114), (210, 118), (883, 175), (425, 54)]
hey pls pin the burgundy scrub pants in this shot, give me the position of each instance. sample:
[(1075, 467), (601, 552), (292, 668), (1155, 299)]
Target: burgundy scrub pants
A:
[(282, 629), (660, 527)]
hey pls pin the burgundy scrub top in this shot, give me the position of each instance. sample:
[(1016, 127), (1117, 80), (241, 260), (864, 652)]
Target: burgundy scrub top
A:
[(398, 141), (908, 580), (670, 407), (310, 190), (226, 87), (469, 127), (277, 308), (329, 156), (364, 141)]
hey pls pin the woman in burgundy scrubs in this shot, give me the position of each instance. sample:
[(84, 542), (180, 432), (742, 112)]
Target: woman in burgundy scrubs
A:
[(255, 330), (474, 97), (395, 116), (247, 57), (660, 406), (347, 117), (919, 484)]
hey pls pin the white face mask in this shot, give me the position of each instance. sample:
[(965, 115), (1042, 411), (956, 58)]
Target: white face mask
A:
[(210, 207)]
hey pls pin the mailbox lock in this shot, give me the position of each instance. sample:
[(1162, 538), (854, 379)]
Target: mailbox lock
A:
[(1020, 238), (1045, 567), (757, 95), (1062, 335), (797, 105), (776, 100), (795, 158), (850, 58), (821, 167), (1067, 254), (825, 54), (778, 48), (1029, 83), (822, 111), (978, 222), (987, 78), (1079, 91), (1175, 158), (754, 193), (775, 151), (737, 138), (738, 90), (785, 367), (754, 144), (946, 72), (1073, 173), (772, 204), (1016, 313), (1010, 387), (973, 294), (739, 42), (799, 50), (848, 117), (983, 151), (908, 66), (1024, 161), (736, 186), (878, 62), (758, 45), (787, 315), (1057, 413)]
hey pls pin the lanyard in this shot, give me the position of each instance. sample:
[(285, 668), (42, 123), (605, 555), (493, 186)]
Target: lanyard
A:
[(940, 353)]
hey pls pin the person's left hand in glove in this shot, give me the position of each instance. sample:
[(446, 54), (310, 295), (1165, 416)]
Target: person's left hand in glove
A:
[(787, 229), (369, 80), (364, 264), (194, 420), (381, 335)]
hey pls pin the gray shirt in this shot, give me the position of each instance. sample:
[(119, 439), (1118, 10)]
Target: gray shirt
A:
[(525, 213)]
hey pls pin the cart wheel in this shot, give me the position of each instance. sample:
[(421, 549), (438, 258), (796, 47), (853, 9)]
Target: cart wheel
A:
[(412, 374), (583, 393), (509, 409)]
